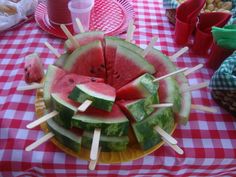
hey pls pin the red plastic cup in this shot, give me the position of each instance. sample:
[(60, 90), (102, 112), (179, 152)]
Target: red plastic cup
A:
[(183, 31), (217, 55), (202, 42)]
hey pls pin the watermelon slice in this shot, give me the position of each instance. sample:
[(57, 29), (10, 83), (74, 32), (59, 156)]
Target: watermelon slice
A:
[(107, 143), (101, 95), (112, 123), (111, 44), (33, 68), (58, 81), (84, 38), (87, 60), (138, 110), (164, 66), (144, 130), (64, 136), (65, 107), (141, 87), (128, 66)]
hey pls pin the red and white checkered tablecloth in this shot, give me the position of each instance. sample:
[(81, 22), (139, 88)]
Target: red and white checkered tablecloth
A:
[(208, 140)]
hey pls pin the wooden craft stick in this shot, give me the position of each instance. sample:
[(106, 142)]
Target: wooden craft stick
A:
[(42, 119), (93, 163), (195, 87), (203, 108), (164, 134), (70, 36), (52, 49), (84, 105), (175, 147), (80, 26), (95, 144), (39, 141), (163, 105), (149, 47), (130, 31), (170, 74), (178, 54), (30, 87), (193, 69)]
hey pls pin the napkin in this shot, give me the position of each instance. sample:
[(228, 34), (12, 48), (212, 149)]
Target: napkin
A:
[(203, 38), (186, 19), (223, 46)]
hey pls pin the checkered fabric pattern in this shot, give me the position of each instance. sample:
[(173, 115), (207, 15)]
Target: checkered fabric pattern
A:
[(225, 77), (170, 4), (208, 140)]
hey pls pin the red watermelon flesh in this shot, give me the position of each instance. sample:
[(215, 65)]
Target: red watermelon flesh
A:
[(84, 39), (69, 81), (111, 44), (141, 87), (87, 60), (128, 66), (33, 68)]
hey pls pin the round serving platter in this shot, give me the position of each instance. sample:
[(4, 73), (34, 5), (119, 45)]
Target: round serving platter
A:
[(132, 152)]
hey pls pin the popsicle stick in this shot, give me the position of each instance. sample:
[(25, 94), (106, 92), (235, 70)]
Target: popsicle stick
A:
[(193, 69), (178, 54), (195, 87), (30, 87), (163, 105), (52, 49), (170, 74), (130, 31), (93, 163), (95, 144), (149, 47), (42, 119), (39, 141), (80, 26), (69, 36), (84, 105), (175, 147), (164, 134), (203, 108)]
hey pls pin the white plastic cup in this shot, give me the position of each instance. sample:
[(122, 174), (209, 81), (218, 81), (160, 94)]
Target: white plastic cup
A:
[(80, 9)]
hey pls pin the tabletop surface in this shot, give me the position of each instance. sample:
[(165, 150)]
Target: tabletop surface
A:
[(208, 140)]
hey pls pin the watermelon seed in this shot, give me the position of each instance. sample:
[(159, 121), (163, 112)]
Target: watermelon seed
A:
[(102, 65), (93, 79), (71, 81)]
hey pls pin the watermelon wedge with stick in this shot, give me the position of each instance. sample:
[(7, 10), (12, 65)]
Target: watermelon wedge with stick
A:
[(111, 44), (128, 66), (164, 66), (87, 60), (113, 123), (101, 95)]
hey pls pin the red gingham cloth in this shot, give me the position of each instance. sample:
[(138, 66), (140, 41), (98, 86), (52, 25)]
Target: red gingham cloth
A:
[(208, 140)]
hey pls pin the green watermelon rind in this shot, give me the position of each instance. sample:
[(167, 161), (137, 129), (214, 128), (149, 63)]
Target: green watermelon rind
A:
[(64, 136), (109, 127), (49, 78), (81, 93), (81, 36), (144, 131), (140, 109), (107, 143), (65, 111)]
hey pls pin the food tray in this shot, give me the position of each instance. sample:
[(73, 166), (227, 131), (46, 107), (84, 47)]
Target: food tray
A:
[(112, 17), (131, 153)]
